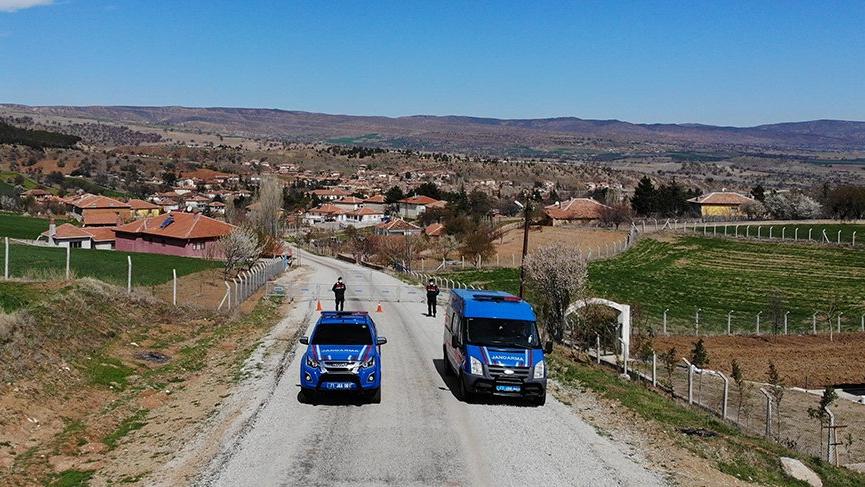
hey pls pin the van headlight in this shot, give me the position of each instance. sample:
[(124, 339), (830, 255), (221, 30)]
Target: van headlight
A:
[(311, 362), (475, 366), (540, 370), (369, 363)]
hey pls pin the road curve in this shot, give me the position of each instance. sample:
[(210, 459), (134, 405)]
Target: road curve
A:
[(420, 434)]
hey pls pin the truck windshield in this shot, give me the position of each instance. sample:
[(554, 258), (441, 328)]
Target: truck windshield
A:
[(342, 335), (506, 333)]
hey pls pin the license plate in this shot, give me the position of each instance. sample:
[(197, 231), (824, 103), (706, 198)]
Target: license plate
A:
[(339, 385), (506, 388)]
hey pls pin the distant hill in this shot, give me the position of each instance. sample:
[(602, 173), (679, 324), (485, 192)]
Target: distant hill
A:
[(458, 133), (38, 139)]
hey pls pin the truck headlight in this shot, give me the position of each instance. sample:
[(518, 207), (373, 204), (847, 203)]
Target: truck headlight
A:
[(369, 363), (475, 366), (311, 362), (540, 370)]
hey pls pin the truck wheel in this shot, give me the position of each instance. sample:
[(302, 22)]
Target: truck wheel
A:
[(375, 396), (446, 363)]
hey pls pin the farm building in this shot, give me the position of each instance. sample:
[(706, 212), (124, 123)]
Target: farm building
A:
[(434, 230), (363, 217), (397, 226), (67, 235), (414, 206), (183, 234), (376, 202), (91, 204), (575, 210), (143, 209), (720, 203)]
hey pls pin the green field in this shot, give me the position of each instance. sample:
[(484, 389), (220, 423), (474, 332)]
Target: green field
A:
[(789, 233), (719, 275), (106, 265), (24, 227)]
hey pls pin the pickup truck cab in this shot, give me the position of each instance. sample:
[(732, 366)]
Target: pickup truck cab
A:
[(343, 354), (491, 343)]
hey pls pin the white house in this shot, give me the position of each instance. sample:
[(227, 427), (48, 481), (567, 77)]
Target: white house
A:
[(363, 217), (67, 235), (376, 202), (414, 206), (348, 203)]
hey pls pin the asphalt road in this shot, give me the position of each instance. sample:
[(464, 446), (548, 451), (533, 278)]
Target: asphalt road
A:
[(420, 434)]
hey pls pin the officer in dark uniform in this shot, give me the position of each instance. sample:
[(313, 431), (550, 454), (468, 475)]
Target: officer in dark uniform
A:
[(432, 292), (339, 294)]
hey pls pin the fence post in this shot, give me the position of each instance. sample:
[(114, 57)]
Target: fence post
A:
[(665, 320), (862, 323), (809, 233), (598, 345), (129, 274), (796, 234), (228, 293), (690, 382), (785, 321), (67, 261), (236, 291), (726, 395), (6, 260), (654, 369), (839, 237), (174, 287), (768, 412), (729, 319), (783, 233), (758, 322), (770, 232), (814, 323), (853, 244)]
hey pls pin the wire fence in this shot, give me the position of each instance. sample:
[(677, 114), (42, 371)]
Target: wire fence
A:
[(752, 406), (248, 282)]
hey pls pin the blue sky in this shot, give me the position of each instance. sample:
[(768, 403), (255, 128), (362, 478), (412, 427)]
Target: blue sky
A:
[(729, 63)]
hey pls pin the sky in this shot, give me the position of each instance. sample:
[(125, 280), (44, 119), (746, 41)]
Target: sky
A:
[(715, 62)]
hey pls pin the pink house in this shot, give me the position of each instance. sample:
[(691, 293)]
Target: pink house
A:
[(183, 234)]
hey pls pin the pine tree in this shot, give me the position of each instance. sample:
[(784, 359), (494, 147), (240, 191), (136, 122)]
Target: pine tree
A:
[(644, 201)]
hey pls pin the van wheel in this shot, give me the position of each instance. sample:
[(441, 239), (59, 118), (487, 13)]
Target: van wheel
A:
[(375, 396), (446, 364), (462, 390), (540, 401), (307, 396)]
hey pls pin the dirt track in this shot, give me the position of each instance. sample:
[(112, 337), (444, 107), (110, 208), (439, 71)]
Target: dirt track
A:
[(804, 361)]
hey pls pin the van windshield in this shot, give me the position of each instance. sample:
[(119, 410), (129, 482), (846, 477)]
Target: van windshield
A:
[(342, 335), (505, 333)]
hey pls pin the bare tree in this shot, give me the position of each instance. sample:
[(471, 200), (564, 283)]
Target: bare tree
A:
[(265, 215), (615, 214), (558, 274), (776, 390), (240, 249), (232, 215)]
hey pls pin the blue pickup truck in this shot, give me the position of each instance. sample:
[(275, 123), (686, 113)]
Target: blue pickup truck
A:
[(343, 355), (492, 344)]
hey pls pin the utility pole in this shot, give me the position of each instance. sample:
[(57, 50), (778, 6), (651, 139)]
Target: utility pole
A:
[(527, 215)]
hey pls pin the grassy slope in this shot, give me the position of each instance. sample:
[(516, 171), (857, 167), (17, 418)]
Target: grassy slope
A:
[(718, 275), (745, 457), (107, 265), (18, 226)]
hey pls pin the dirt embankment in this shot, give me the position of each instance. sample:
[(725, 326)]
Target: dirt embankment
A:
[(803, 360), (86, 368)]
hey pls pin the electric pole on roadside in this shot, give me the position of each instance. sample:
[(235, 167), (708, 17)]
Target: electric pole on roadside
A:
[(527, 211)]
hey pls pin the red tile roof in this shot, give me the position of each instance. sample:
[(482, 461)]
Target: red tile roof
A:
[(418, 200), (378, 198), (92, 201), (327, 209), (66, 231), (137, 204), (576, 209), (184, 226), (397, 225), (723, 198), (364, 211), (349, 200), (434, 230), (101, 234)]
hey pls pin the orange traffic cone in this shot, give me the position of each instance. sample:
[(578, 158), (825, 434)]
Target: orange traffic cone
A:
[(378, 308), (318, 306)]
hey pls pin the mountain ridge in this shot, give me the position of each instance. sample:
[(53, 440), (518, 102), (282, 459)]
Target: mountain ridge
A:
[(462, 132)]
